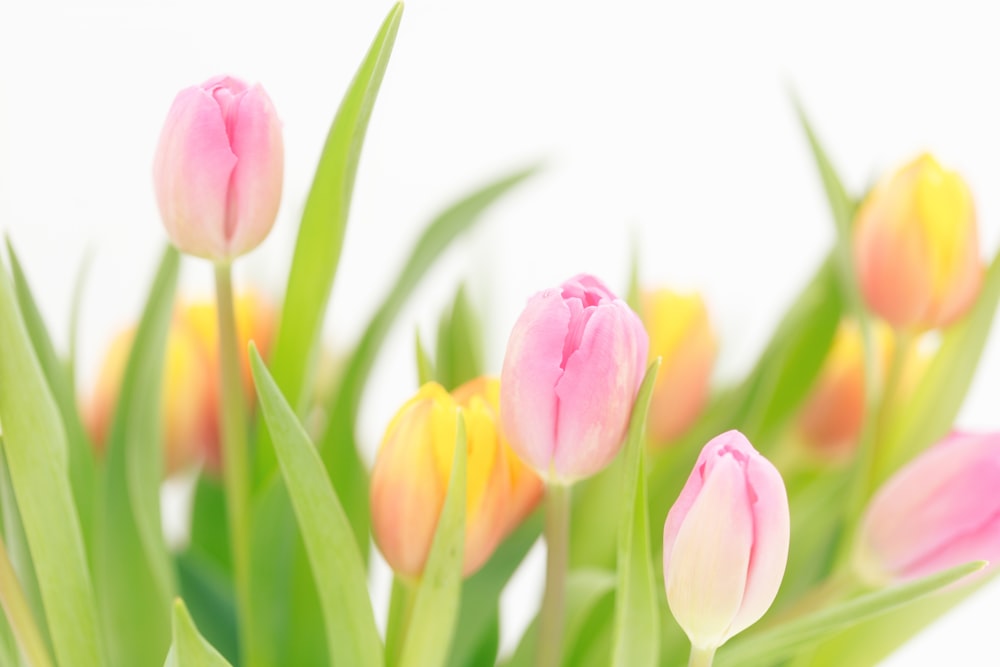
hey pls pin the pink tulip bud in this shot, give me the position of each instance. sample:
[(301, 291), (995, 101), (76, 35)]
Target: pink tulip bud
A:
[(725, 542), (574, 362), (218, 169), (939, 511)]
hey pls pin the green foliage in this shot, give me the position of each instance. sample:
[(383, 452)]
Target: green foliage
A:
[(459, 343), (189, 648)]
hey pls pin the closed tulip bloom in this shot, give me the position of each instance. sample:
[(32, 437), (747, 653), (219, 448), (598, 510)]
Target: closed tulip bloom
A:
[(412, 471), (939, 511), (218, 169), (725, 542), (916, 247), (571, 372), (679, 333)]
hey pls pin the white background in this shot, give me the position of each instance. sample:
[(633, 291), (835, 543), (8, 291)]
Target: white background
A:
[(670, 118)]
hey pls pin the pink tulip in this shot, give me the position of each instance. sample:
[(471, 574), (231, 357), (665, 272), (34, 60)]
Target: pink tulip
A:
[(939, 511), (725, 542), (218, 169), (574, 362)]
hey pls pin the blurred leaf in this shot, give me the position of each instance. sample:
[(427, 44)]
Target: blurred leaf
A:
[(781, 379), (210, 523), (934, 405), (35, 447), (208, 592), (586, 590), (435, 608), (597, 508), (333, 554), (633, 295), (321, 232), (189, 648), (769, 646), (425, 367), (337, 446), (479, 609), (459, 344), (636, 620), (132, 569), (81, 458)]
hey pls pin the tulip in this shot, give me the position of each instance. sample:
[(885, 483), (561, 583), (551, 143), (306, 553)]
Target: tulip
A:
[(190, 391), (679, 333), (725, 542), (916, 247), (218, 169), (573, 365), (940, 510), (412, 471)]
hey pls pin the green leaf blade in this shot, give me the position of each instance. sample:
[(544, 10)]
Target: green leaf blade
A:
[(189, 648), (36, 451), (336, 563), (636, 623), (435, 609), (321, 232)]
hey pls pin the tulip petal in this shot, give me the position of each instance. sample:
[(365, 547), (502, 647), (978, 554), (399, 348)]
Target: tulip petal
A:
[(531, 369), (191, 173), (708, 568), (255, 187)]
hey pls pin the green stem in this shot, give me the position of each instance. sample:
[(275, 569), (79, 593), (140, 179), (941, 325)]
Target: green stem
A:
[(553, 614), (19, 615), (701, 657), (235, 466), (400, 611), (900, 352)]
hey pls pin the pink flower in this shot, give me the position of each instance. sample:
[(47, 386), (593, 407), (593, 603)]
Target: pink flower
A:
[(725, 542), (218, 169), (574, 362), (939, 511)]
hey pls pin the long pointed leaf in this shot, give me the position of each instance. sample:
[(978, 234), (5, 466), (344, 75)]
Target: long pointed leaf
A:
[(435, 609), (189, 648), (336, 563), (35, 446), (321, 232), (770, 646), (636, 625), (133, 570)]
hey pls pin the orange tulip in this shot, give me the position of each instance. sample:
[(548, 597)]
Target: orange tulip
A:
[(680, 333)]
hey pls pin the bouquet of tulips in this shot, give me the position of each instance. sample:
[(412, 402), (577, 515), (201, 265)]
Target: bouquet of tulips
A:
[(819, 512)]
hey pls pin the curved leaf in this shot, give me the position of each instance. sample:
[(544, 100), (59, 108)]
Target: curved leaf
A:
[(336, 563), (189, 648)]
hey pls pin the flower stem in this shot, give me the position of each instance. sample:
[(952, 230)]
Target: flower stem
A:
[(400, 610), (19, 615), (235, 469), (701, 657), (550, 638)]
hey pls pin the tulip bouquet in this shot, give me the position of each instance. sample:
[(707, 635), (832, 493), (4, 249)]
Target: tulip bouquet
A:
[(821, 511)]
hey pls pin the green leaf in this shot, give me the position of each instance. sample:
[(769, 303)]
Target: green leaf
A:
[(81, 459), (209, 594), (133, 571), (586, 591), (321, 232), (35, 447), (337, 445), (770, 646), (425, 367), (189, 648), (435, 608), (636, 624), (934, 405), (18, 620), (333, 553), (459, 344), (478, 610)]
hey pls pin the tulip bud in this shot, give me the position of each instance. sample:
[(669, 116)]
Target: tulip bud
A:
[(190, 380), (680, 333), (725, 542), (218, 169), (916, 247), (574, 362), (412, 471), (940, 510)]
